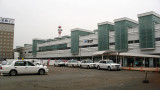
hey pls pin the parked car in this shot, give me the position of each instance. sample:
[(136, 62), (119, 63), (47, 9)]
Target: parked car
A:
[(87, 64), (66, 63), (22, 67), (59, 63), (73, 63), (108, 64)]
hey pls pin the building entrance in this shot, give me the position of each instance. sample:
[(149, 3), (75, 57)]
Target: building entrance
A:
[(130, 62), (139, 61)]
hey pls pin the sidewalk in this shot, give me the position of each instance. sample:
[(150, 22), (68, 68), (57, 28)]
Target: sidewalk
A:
[(143, 69)]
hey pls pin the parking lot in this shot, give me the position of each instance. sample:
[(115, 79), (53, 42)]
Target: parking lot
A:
[(68, 78)]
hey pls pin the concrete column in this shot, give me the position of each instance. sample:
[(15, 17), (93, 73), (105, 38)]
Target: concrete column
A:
[(116, 59), (150, 62), (125, 61), (144, 62), (102, 56), (121, 61), (134, 61)]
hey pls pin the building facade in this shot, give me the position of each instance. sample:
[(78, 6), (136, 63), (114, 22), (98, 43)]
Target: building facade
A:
[(126, 41), (6, 37)]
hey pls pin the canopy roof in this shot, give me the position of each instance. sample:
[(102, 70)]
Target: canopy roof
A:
[(108, 52), (103, 52)]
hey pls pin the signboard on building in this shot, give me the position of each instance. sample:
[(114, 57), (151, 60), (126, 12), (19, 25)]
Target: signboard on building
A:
[(6, 20), (88, 41)]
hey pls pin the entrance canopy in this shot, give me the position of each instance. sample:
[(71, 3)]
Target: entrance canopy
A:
[(108, 52), (139, 55), (103, 52)]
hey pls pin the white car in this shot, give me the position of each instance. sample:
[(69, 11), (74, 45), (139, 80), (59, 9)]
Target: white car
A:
[(73, 63), (108, 64), (22, 67), (87, 64), (59, 63)]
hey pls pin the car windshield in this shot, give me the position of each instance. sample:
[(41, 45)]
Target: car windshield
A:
[(9, 62), (89, 61), (109, 61)]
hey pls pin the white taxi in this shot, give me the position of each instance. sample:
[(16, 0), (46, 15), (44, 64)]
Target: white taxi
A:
[(87, 64), (22, 67)]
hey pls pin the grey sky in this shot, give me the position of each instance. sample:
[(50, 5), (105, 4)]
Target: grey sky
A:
[(41, 18)]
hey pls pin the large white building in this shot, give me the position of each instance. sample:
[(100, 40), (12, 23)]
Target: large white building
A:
[(125, 41)]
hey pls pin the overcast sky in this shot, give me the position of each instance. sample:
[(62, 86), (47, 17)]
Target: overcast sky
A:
[(41, 18)]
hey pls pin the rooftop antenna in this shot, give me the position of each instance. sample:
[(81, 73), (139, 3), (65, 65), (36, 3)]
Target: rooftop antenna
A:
[(59, 30)]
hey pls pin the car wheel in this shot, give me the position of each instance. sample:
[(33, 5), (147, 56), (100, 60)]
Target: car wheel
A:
[(41, 72), (98, 67), (72, 65), (109, 68), (88, 67), (66, 65), (13, 73), (80, 66)]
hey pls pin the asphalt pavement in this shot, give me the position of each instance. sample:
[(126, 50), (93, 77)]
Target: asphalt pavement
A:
[(67, 78)]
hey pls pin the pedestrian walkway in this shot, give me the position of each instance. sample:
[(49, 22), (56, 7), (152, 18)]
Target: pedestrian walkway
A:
[(142, 69)]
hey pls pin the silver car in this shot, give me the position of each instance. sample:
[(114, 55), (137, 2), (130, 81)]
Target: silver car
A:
[(87, 64), (108, 64), (59, 63), (73, 63)]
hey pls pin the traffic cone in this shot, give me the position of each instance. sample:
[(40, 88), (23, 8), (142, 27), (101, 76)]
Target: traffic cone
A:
[(141, 68), (129, 68)]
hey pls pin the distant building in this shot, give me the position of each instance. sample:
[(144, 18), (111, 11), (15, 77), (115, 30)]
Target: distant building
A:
[(126, 41), (6, 37)]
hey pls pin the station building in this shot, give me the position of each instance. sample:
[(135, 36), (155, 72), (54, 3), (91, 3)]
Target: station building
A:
[(126, 41)]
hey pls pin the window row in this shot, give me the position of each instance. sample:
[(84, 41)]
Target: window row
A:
[(6, 33), (6, 43), (5, 50), (6, 40)]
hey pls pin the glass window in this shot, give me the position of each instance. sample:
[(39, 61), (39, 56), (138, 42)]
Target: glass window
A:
[(101, 62), (104, 61), (89, 61), (83, 61), (136, 41), (129, 42), (20, 63), (109, 61), (112, 43), (158, 39), (30, 64)]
